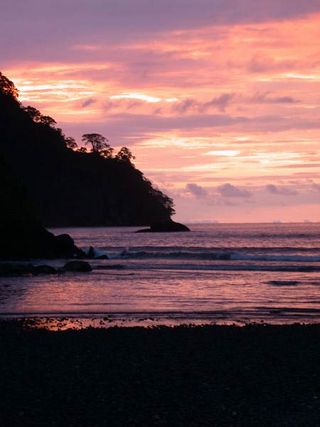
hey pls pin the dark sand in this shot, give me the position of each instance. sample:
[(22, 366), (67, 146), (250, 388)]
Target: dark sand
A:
[(209, 376)]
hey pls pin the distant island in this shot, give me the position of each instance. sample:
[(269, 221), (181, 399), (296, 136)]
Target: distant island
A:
[(67, 185)]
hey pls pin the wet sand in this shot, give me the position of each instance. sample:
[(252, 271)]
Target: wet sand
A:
[(203, 376)]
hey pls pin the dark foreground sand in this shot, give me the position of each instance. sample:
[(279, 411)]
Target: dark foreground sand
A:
[(209, 376)]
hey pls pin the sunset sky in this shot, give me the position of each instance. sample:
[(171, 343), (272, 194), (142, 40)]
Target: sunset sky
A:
[(218, 99)]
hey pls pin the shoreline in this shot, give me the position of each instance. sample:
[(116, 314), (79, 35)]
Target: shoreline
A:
[(184, 376), (78, 322)]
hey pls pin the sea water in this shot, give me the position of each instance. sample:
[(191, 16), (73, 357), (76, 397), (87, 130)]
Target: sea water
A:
[(217, 273)]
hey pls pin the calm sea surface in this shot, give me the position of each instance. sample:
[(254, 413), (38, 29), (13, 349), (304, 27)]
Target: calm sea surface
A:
[(220, 273)]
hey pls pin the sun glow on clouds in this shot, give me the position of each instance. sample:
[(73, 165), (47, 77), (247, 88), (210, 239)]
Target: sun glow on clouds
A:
[(227, 153), (142, 97), (204, 106), (301, 76)]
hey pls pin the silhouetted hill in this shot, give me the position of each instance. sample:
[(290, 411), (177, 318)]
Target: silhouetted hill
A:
[(21, 233), (68, 187)]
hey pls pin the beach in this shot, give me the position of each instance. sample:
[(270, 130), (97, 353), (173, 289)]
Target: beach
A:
[(256, 375), (114, 346)]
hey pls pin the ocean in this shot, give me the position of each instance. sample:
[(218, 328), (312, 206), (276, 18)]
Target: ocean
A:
[(217, 273)]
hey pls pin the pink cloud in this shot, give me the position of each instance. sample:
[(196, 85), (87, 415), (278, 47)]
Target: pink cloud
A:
[(229, 190)]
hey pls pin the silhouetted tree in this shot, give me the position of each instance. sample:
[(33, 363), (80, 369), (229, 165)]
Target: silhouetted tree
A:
[(125, 155), (99, 144), (37, 117), (7, 87), (82, 150), (48, 121), (33, 113), (71, 143), (107, 152)]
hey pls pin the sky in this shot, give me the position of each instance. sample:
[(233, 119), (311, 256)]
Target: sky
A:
[(218, 99)]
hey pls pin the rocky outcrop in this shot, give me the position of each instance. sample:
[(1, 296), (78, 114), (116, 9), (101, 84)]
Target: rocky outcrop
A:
[(92, 253), (44, 269), (165, 227), (12, 269), (77, 266), (65, 246), (28, 239), (22, 235)]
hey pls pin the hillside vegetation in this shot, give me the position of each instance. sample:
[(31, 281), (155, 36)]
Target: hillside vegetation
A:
[(71, 186)]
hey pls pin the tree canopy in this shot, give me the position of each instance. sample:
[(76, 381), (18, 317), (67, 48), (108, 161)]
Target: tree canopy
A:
[(99, 144), (7, 87), (37, 117), (124, 155), (70, 185)]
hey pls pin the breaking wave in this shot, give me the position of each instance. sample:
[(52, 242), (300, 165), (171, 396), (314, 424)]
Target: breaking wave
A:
[(216, 256)]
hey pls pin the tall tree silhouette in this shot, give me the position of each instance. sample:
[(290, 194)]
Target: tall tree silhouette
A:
[(99, 144)]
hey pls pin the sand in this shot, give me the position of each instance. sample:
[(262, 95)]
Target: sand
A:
[(203, 376)]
